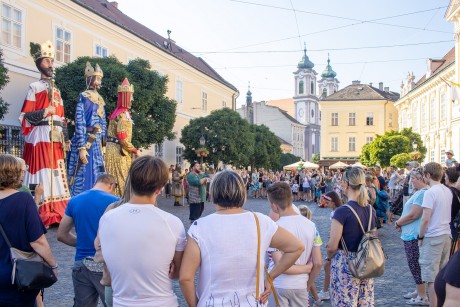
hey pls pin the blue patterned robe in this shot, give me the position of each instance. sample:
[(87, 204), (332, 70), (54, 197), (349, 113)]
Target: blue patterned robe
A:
[(90, 113)]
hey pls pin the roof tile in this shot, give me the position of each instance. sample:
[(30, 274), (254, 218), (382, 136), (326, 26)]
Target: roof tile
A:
[(108, 11)]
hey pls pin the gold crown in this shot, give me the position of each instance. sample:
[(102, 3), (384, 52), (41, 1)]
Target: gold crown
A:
[(126, 87), (91, 72), (45, 50)]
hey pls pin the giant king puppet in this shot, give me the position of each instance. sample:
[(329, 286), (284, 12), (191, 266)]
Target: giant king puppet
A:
[(86, 161), (45, 133)]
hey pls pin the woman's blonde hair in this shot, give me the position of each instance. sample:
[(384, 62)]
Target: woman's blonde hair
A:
[(10, 172), (356, 180)]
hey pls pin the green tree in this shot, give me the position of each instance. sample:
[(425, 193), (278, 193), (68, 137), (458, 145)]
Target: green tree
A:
[(391, 143), (267, 150), (228, 138), (400, 160), (4, 79), (153, 113), (315, 158), (288, 158)]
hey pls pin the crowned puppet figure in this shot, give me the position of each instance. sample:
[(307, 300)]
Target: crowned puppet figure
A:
[(45, 135), (120, 150), (86, 160)]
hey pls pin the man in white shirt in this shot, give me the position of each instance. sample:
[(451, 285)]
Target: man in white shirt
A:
[(292, 286), (141, 244), (434, 234)]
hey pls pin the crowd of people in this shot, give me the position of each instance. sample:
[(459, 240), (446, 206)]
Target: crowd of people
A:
[(110, 231)]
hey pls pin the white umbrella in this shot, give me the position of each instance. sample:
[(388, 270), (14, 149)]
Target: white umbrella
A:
[(304, 164), (358, 164), (339, 164)]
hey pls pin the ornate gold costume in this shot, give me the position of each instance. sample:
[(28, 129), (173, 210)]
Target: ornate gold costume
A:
[(118, 157)]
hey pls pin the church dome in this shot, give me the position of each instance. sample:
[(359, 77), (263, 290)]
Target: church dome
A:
[(305, 63), (328, 72)]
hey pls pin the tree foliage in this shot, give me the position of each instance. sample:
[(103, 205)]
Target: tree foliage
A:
[(4, 79), (228, 138), (153, 113), (391, 143), (288, 158), (400, 160), (315, 158), (267, 150)]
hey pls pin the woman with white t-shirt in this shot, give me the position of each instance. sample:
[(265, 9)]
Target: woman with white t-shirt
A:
[(223, 246)]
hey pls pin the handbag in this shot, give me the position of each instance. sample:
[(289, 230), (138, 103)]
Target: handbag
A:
[(270, 280), (369, 260), (30, 272)]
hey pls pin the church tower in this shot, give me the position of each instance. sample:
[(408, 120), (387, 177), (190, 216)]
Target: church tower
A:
[(249, 106), (306, 104), (328, 84)]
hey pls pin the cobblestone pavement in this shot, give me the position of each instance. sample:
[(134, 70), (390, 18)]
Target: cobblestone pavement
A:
[(389, 289)]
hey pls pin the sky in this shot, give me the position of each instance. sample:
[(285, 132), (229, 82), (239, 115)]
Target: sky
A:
[(261, 41)]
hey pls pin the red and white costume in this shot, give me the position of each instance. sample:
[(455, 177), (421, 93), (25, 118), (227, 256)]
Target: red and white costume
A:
[(45, 159)]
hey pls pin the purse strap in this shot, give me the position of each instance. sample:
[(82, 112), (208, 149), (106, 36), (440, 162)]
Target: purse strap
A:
[(258, 258), (270, 280), (5, 237), (344, 246)]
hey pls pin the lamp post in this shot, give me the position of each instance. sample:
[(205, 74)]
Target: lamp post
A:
[(202, 143), (414, 146)]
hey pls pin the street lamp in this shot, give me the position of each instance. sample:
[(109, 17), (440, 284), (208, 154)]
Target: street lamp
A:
[(202, 143), (414, 145)]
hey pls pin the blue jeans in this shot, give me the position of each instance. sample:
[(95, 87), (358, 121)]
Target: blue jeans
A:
[(87, 287)]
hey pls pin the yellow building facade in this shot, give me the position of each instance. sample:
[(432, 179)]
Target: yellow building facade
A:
[(351, 117), (99, 28)]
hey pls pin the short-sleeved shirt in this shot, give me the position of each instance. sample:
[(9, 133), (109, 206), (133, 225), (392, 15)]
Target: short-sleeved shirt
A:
[(352, 232), (86, 210), (22, 225), (228, 249), (306, 231), (139, 242), (438, 198), (450, 275), (411, 230)]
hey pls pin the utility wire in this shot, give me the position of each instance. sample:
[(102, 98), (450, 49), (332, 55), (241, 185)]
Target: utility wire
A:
[(296, 22), (359, 22), (326, 49)]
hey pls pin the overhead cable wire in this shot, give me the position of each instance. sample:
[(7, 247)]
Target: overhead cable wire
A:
[(325, 49)]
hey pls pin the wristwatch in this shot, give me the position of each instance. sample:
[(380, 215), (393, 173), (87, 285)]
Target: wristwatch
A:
[(420, 238)]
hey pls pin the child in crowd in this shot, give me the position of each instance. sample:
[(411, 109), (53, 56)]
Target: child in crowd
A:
[(333, 201), (295, 190), (306, 212)]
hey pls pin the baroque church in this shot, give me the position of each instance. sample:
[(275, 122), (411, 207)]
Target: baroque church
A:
[(302, 108), (306, 100)]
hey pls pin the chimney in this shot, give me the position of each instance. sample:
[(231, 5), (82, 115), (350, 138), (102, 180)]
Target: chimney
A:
[(355, 82), (381, 86), (114, 4), (370, 83), (386, 89)]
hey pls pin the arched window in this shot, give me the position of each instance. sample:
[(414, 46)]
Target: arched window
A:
[(301, 87), (324, 92), (312, 88)]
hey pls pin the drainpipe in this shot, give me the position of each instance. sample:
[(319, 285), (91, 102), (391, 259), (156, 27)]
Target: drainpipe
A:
[(234, 97)]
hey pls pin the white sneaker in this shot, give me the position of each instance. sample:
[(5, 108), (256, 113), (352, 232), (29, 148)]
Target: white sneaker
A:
[(410, 295), (418, 301), (324, 296), (317, 303)]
